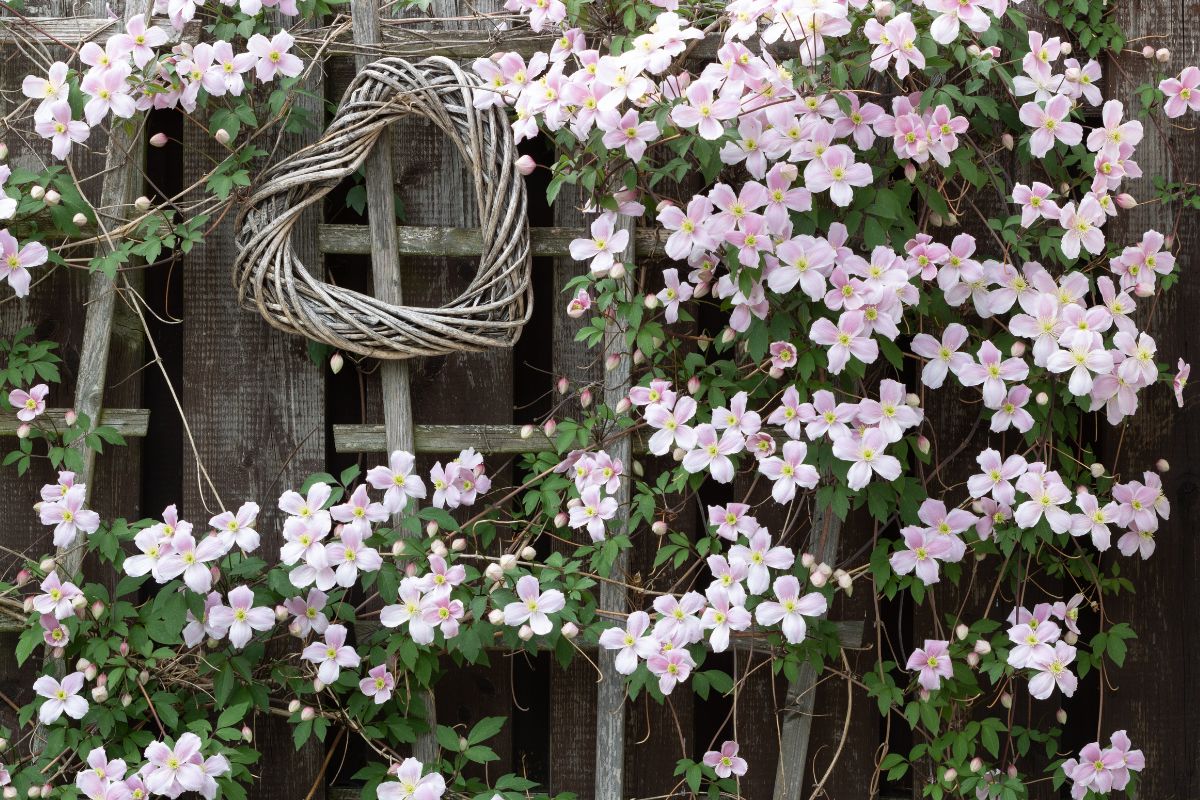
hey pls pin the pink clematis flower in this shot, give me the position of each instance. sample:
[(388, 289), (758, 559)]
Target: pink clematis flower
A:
[(69, 517), (378, 685), (238, 528), (190, 559), (1183, 370), (673, 293), (789, 472), (411, 785), (604, 246), (30, 405), (592, 511), (704, 111), (992, 371), (627, 131), (712, 453), (398, 480), (933, 663), (61, 130), (922, 552), (273, 56), (350, 555), (1012, 411), (944, 356), (837, 172), (1032, 642), (61, 698), (1082, 227), (631, 642), (171, 771), (533, 606), (726, 761), (359, 512), (1050, 124), (789, 609), (847, 338), (308, 612), (57, 597), (723, 616), (331, 655), (241, 617), (867, 457), (1183, 93), (1052, 671), (671, 667), (758, 558), (16, 261), (996, 476)]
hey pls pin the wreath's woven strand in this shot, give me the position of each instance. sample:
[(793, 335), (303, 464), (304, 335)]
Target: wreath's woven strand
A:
[(490, 312)]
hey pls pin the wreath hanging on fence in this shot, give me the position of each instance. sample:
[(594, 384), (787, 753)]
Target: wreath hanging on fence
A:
[(494, 307)]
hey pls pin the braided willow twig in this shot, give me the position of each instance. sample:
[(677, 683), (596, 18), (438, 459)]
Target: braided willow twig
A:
[(490, 312)]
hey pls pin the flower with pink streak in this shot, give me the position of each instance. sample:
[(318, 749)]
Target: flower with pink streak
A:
[(1183, 93), (678, 619), (580, 304), (788, 414), (783, 198), (331, 655), (30, 405), (789, 608), (631, 642), (705, 111), (1094, 519), (723, 616), (189, 558), (108, 91), (592, 511), (891, 413), (140, 40), (378, 685), (53, 632), (803, 260), (868, 457), (658, 392), (671, 667), (690, 232), (992, 371), (671, 426), (57, 597), (732, 520), (16, 261), (399, 481), (1182, 371), (845, 339), (1082, 227), (758, 558), (1097, 767), (102, 780), (605, 244), (61, 698), (171, 771), (789, 472), (273, 56), (1045, 499), (943, 357), (895, 39), (726, 761), (533, 606), (824, 416), (737, 417), (836, 171), (359, 512), (440, 610), (1085, 355), (783, 355), (922, 552), (49, 90), (996, 476), (673, 293), (1035, 202), (627, 132), (1050, 124), (238, 528), (1131, 760), (241, 617), (933, 663), (1012, 411), (69, 517), (1032, 642), (349, 555), (1114, 133), (411, 785), (1137, 541), (196, 629), (309, 612), (1053, 671), (712, 452)]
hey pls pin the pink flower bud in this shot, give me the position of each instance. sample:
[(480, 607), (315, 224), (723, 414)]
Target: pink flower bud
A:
[(222, 136), (281, 613), (53, 198), (71, 417), (123, 649), (1012, 771), (972, 660), (846, 583), (1147, 52), (549, 427), (923, 444), (775, 372), (1126, 201), (293, 706), (1061, 716), (215, 571), (23, 430), (561, 519), (617, 272), (950, 776), (659, 527), (983, 647), (308, 713), (585, 398), (650, 301), (639, 357), (143, 677), (526, 431), (570, 630), (910, 172), (526, 165), (923, 694), (976, 764), (612, 361), (23, 577), (496, 616), (494, 572), (693, 384), (1162, 465), (1042, 398), (818, 579), (1162, 55), (458, 545), (525, 633), (431, 528), (1017, 349), (159, 140), (336, 362), (410, 570), (623, 406), (90, 674), (728, 335), (10, 792)]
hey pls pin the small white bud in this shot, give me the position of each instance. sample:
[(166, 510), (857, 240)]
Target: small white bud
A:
[(336, 362), (1006, 699), (912, 400), (159, 140), (638, 470), (1162, 465), (431, 528), (1007, 141), (458, 545), (222, 136), (439, 550), (142, 204), (618, 271), (728, 335), (494, 572), (100, 694), (650, 301), (962, 631), (1061, 716), (80, 219), (293, 706), (247, 734), (53, 198), (397, 548), (1018, 349), (623, 406), (3, 152), (526, 431), (570, 630), (659, 527), (496, 616), (1162, 55), (845, 582), (983, 647), (526, 165), (1071, 638), (1097, 470), (508, 562), (818, 579), (37, 192), (82, 664), (807, 560), (1065, 48), (308, 713), (1042, 398), (525, 633), (23, 430), (561, 519), (528, 553), (1147, 52)]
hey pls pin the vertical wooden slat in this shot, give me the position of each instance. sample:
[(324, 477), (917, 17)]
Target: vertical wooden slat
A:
[(385, 279), (610, 696), (801, 696)]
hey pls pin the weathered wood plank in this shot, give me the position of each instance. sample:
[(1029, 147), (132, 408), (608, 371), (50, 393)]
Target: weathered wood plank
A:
[(610, 696), (125, 421), (467, 242), (74, 31)]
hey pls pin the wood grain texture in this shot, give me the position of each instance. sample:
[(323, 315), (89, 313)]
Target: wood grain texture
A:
[(466, 242), (125, 421), (1157, 688)]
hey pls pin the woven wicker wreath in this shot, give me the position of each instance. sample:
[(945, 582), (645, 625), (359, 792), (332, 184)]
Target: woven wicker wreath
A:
[(489, 313)]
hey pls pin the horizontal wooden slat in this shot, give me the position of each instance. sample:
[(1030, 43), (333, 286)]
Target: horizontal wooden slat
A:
[(73, 31), (126, 421), (442, 439), (433, 241)]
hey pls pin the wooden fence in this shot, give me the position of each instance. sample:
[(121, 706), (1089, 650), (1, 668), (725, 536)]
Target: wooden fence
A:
[(262, 416)]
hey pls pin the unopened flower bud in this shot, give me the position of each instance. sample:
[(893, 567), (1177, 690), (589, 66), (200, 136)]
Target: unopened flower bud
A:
[(525, 633), (23, 577), (1162, 465), (983, 647), (100, 694), (78, 601), (496, 616), (818, 579), (923, 694), (1012, 771), (884, 9), (10, 792), (845, 583), (638, 470), (336, 362), (293, 706), (561, 519), (80, 219), (612, 362), (28, 605), (973, 50), (397, 548), (71, 416), (159, 140), (528, 553), (775, 372), (296, 629), (678, 453), (1097, 470), (923, 444), (570, 630), (143, 677), (910, 175), (976, 764), (247, 734), (585, 398), (1061, 716), (431, 528), (1006, 139), (281, 613), (308, 713), (639, 357), (123, 649), (549, 427), (1147, 52), (494, 572), (1071, 638), (563, 385), (1126, 201), (825, 569), (659, 527), (23, 430), (526, 165), (1006, 700), (650, 301), (623, 406), (950, 776), (222, 136), (617, 272), (1064, 188), (962, 631), (1042, 398), (728, 335), (1018, 349), (508, 562), (1162, 55), (53, 198), (693, 384), (82, 664), (37, 192), (89, 673), (972, 659), (458, 545), (142, 204), (807, 560), (34, 791), (3, 152), (1065, 48)]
